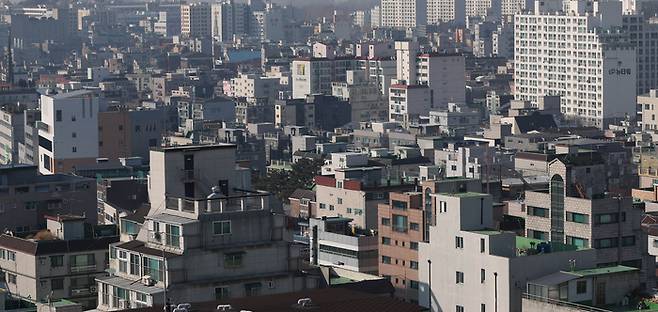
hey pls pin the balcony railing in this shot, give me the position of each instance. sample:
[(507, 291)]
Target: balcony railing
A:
[(83, 268), (258, 201)]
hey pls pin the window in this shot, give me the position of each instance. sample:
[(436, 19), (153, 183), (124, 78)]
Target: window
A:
[(123, 262), (58, 115), (57, 284), (482, 245), (400, 223), (386, 221), (628, 241), (538, 212), (153, 268), (340, 201), (581, 287), (172, 235), (606, 243), (222, 293), (459, 308), (413, 265), (79, 261), (414, 226), (413, 245), (386, 259), (443, 207), (74, 135), (323, 206), (606, 218), (459, 277), (56, 261), (483, 307), (483, 275), (577, 217), (134, 264), (74, 149), (386, 240), (233, 260), (129, 227), (413, 284), (537, 234), (11, 278), (459, 242), (11, 256), (113, 252), (222, 227), (140, 297), (31, 205), (400, 205), (578, 242)]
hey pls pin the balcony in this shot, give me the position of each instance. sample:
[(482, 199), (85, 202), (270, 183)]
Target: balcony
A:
[(43, 126), (258, 201), (83, 268)]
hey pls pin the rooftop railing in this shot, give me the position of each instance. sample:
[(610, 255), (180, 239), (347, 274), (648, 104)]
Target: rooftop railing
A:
[(233, 203)]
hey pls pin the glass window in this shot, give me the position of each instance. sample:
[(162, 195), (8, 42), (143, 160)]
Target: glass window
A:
[(129, 227), (628, 240), (538, 212), (232, 260), (414, 226), (83, 260), (386, 221), (386, 240), (581, 287), (222, 227), (459, 277), (396, 204), (11, 278), (57, 284), (413, 245), (386, 259), (222, 293), (577, 217), (459, 242), (606, 218), (173, 235), (56, 261), (578, 242), (153, 268), (606, 243), (134, 264), (413, 265), (400, 223)]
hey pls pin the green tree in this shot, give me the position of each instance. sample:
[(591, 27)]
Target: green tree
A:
[(282, 183)]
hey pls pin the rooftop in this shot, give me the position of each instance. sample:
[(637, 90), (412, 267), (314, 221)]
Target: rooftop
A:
[(464, 194), (605, 270)]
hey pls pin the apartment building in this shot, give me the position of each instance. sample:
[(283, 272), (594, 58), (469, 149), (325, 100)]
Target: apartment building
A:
[(456, 120), (252, 87), (578, 209), (401, 229), (407, 103), (197, 19), (350, 188), (60, 262), (445, 75), (442, 11), (124, 132), (403, 13), (201, 247), (469, 266), (68, 131), (334, 242), (365, 99), (648, 110), (315, 75), (643, 35), (560, 54), (26, 197)]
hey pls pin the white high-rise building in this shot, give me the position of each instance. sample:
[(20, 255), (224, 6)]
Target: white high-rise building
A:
[(441, 11), (490, 8), (406, 52), (403, 13), (577, 55), (68, 131)]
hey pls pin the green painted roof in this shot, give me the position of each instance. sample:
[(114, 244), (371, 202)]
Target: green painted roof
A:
[(606, 270), (340, 280)]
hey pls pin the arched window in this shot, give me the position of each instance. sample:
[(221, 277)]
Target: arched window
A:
[(557, 209)]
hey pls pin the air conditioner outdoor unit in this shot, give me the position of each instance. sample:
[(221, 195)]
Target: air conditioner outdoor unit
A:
[(147, 280), (224, 307)]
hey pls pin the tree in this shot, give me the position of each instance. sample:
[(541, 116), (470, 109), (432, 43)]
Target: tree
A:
[(282, 183)]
